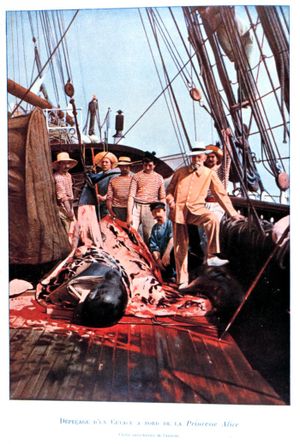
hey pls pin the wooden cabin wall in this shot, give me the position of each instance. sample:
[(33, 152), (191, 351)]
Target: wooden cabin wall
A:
[(36, 234)]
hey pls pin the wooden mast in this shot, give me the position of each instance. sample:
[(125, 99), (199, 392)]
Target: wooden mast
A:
[(28, 96)]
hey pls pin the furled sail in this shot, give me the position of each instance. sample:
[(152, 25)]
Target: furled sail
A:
[(36, 233)]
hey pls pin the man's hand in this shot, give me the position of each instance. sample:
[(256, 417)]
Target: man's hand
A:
[(238, 217), (165, 260), (160, 264), (70, 215), (101, 198)]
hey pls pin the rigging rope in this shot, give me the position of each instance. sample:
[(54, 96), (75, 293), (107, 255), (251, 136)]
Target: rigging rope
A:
[(247, 79), (159, 95), (245, 76), (280, 105), (17, 33), (193, 68), (187, 79), (213, 97), (279, 45), (177, 133), (220, 119), (171, 87), (65, 45), (47, 36), (79, 58), (49, 58), (12, 49)]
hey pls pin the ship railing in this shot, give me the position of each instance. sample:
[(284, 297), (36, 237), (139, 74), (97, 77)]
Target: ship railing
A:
[(62, 120)]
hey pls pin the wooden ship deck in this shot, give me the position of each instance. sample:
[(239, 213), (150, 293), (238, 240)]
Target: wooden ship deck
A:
[(172, 360)]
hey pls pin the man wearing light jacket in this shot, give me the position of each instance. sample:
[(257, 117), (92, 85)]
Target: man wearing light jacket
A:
[(186, 196)]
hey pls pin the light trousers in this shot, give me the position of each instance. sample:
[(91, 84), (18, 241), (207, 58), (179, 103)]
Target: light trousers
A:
[(141, 215), (216, 208), (209, 221)]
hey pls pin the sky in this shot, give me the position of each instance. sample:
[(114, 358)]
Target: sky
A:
[(112, 60), (110, 57)]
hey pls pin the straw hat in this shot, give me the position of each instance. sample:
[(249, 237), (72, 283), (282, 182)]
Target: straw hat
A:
[(100, 156), (124, 160), (198, 148), (64, 157), (217, 151)]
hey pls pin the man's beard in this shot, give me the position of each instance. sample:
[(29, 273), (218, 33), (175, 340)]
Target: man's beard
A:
[(196, 165)]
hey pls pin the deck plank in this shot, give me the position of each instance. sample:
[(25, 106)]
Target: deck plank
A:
[(120, 365), (89, 370), (134, 361), (135, 365), (27, 350), (254, 387), (62, 377), (103, 384), (233, 387), (206, 379), (167, 383), (150, 375), (182, 357)]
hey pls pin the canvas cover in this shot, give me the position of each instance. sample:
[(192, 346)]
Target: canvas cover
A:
[(36, 234)]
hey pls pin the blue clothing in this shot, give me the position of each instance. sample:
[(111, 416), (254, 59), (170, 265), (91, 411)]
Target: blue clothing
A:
[(102, 185), (158, 241), (88, 193), (100, 180), (160, 236)]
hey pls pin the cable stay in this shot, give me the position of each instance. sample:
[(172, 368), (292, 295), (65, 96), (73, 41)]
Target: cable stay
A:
[(170, 90), (48, 62), (219, 29), (174, 122)]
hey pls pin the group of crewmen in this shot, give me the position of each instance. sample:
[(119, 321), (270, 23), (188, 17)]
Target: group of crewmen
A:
[(195, 195)]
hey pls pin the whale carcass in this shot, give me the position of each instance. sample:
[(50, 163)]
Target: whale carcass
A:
[(101, 285)]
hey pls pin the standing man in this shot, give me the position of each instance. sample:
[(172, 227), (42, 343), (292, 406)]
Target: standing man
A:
[(186, 195), (118, 190), (108, 162), (92, 201), (146, 186), (161, 240), (220, 163), (64, 189), (93, 110)]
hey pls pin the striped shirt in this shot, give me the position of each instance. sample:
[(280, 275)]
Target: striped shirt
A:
[(63, 187), (118, 190), (222, 170), (147, 187)]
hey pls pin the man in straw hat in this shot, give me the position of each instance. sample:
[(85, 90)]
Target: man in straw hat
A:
[(108, 162), (118, 190), (186, 195), (64, 188), (92, 205)]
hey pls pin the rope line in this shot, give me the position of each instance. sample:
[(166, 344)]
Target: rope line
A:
[(49, 59)]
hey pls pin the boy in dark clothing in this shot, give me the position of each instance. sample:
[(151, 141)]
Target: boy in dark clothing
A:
[(161, 240)]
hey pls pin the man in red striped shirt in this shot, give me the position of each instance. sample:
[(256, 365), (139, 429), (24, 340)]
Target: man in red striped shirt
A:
[(64, 189), (118, 190), (146, 186)]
